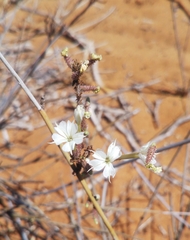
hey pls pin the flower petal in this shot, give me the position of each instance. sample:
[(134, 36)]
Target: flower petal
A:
[(115, 153), (109, 170), (68, 128), (142, 157), (79, 113), (78, 137), (68, 147), (153, 160), (99, 154), (110, 148), (74, 128), (60, 132), (62, 126), (58, 139), (97, 165)]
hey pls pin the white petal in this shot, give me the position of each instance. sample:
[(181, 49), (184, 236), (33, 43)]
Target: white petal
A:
[(61, 129), (109, 170), (147, 145), (62, 125), (58, 139), (99, 154), (74, 129), (97, 165), (115, 153), (153, 161), (67, 147), (72, 144), (110, 148), (68, 128), (144, 149), (142, 157), (78, 137)]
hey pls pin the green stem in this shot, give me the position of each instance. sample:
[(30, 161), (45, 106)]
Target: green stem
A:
[(129, 156)]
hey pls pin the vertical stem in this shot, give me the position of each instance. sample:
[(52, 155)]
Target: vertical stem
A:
[(66, 155)]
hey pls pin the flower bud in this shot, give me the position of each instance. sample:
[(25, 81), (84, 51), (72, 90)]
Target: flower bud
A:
[(97, 90), (87, 115), (79, 114), (64, 52), (96, 57)]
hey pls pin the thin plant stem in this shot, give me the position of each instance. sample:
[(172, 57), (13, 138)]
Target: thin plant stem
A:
[(133, 155), (66, 155)]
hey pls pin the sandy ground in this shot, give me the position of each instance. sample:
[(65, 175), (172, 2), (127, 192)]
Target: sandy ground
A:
[(141, 42)]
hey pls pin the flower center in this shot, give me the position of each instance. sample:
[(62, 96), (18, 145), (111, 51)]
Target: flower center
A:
[(69, 139), (107, 160)]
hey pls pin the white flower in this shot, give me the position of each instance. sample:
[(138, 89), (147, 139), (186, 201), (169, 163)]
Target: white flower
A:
[(67, 133), (148, 155), (102, 160), (79, 113)]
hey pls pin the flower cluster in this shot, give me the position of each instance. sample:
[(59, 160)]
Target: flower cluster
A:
[(67, 134), (104, 161), (71, 134)]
